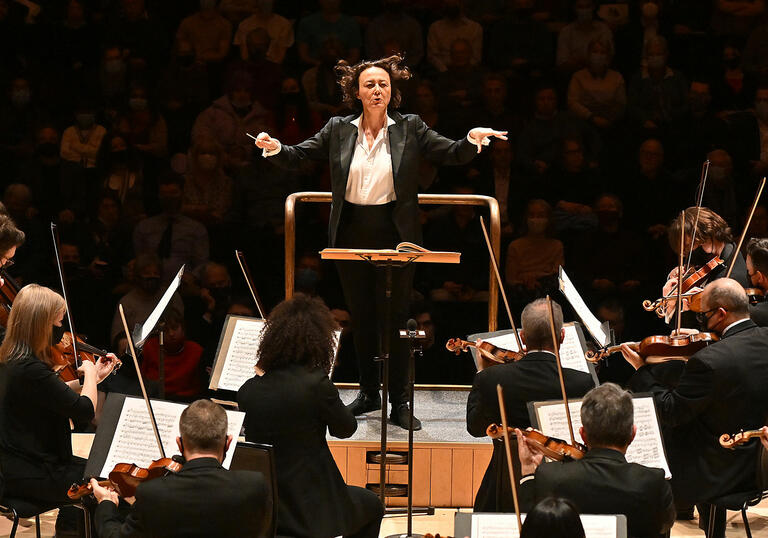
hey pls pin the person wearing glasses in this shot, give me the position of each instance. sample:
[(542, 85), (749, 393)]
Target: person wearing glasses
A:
[(721, 390), (11, 238)]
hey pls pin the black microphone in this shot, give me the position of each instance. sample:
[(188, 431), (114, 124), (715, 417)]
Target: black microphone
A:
[(413, 328)]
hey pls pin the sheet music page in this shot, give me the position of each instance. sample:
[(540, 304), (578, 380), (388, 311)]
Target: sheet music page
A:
[(152, 319), (646, 449), (134, 440), (585, 315), (241, 354), (571, 352), (241, 351), (505, 525)]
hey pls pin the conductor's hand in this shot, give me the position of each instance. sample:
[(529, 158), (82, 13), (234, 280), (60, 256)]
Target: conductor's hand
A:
[(264, 141), (479, 136), (104, 494)]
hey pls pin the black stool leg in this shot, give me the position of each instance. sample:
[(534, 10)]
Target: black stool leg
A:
[(15, 524), (711, 525), (746, 521), (37, 525)]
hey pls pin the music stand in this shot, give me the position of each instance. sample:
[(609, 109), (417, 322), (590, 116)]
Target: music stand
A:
[(388, 259)]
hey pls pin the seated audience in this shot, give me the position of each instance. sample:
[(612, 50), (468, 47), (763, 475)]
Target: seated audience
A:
[(279, 31), (573, 40), (452, 26)]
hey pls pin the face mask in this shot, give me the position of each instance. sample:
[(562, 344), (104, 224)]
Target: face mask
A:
[(307, 279), (207, 162), (761, 110), (656, 61), (598, 60), (85, 121), (221, 296), (114, 66), (207, 4), (584, 14), (149, 284), (256, 53), (57, 333), (718, 174), (119, 157), (702, 318), (137, 103), (699, 103), (171, 204), (537, 225), (699, 256), (608, 218), (20, 97), (732, 63), (48, 149)]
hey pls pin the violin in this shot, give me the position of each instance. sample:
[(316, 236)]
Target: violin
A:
[(660, 348), (63, 355), (755, 295), (126, 477), (692, 298), (732, 441), (8, 292), (487, 350), (551, 447)]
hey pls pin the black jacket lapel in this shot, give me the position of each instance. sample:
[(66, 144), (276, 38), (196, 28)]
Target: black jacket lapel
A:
[(347, 140), (397, 135)]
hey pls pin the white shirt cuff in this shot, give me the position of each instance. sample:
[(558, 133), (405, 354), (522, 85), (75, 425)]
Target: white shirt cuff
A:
[(525, 479), (486, 140), (265, 153)]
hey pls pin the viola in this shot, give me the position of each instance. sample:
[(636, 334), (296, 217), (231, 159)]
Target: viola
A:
[(487, 350), (126, 477), (552, 447), (737, 439), (8, 292), (755, 295), (661, 348), (63, 355), (692, 298)]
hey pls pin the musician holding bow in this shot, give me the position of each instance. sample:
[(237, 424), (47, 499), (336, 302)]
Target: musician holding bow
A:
[(374, 160), (36, 405)]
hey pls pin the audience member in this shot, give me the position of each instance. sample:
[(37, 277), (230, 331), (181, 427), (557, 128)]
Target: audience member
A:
[(733, 88), (452, 26), (313, 30), (519, 41), (208, 32), (279, 32), (573, 40), (394, 24), (207, 188)]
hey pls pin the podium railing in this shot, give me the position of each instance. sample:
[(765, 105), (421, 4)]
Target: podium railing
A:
[(424, 199)]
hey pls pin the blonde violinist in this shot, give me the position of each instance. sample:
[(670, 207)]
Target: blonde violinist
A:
[(36, 405)]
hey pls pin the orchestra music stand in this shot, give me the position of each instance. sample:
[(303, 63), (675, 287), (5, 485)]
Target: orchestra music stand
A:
[(406, 254)]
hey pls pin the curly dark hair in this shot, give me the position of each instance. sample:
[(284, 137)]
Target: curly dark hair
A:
[(349, 76), (298, 331), (710, 225)]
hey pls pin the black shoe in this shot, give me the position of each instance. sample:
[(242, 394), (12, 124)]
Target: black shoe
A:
[(401, 415), (364, 403)]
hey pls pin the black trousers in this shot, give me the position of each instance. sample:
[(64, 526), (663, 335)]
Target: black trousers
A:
[(364, 291)]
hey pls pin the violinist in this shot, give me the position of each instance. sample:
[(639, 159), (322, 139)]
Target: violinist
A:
[(721, 389), (602, 482), (36, 405), (11, 238), (292, 407), (757, 269), (201, 500), (532, 378)]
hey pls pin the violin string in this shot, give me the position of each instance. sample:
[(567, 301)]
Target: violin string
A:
[(699, 201)]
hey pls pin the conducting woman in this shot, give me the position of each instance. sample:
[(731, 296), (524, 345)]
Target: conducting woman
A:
[(36, 405), (374, 161)]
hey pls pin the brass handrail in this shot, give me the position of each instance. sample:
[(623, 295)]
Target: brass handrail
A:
[(424, 199)]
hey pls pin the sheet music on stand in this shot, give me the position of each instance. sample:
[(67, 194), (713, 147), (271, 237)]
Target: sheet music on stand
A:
[(647, 448), (600, 331), (572, 350), (143, 331), (124, 434), (236, 353), (500, 525)]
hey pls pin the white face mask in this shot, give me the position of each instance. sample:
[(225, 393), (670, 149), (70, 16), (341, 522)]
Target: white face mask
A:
[(537, 225)]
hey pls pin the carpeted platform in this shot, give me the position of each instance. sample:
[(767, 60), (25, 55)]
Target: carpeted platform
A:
[(443, 415)]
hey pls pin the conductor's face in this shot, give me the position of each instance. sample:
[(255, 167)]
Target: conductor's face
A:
[(374, 89)]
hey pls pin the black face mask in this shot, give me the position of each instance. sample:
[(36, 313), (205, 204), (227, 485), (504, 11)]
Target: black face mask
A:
[(699, 257), (57, 333), (171, 204), (221, 296), (48, 149), (702, 318), (119, 157), (149, 284)]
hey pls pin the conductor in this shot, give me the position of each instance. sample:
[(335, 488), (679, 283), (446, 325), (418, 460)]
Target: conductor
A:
[(374, 161)]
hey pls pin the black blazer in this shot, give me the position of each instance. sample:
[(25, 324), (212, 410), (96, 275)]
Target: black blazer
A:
[(759, 313), (722, 390), (291, 408), (532, 378), (201, 500), (604, 483), (410, 140)]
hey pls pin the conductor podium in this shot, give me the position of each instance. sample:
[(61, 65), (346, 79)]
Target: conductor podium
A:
[(403, 255)]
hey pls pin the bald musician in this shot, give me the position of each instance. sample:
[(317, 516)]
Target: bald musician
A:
[(201, 500), (721, 390)]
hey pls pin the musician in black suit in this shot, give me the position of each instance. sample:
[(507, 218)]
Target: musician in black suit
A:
[(532, 378), (757, 269), (721, 390), (602, 482), (374, 160), (291, 407), (201, 500)]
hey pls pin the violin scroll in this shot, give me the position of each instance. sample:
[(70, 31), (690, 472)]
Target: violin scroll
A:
[(737, 439)]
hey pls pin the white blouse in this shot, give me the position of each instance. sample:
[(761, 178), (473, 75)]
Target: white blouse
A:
[(370, 180)]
